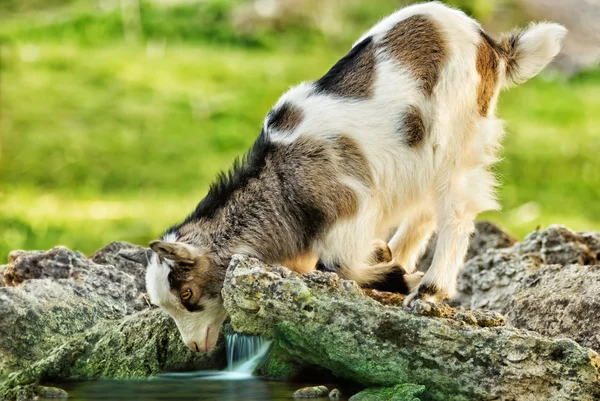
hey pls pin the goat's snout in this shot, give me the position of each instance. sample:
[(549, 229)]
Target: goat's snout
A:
[(194, 347)]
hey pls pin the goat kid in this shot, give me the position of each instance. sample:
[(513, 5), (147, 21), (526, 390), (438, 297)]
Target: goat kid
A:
[(399, 133)]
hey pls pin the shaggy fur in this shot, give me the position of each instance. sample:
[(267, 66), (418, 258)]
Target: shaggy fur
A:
[(399, 134)]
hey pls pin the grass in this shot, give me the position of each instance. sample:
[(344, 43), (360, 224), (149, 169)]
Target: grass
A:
[(106, 140)]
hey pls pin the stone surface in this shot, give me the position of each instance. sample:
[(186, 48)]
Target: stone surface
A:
[(335, 394), (278, 365), (139, 346), (109, 255), (312, 392), (51, 392), (401, 392), (323, 320), (49, 296), (560, 301), (491, 279)]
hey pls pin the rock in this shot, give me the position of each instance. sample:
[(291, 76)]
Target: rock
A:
[(486, 236), (312, 392), (49, 296), (321, 319), (51, 392), (560, 301), (2, 268), (559, 245), (491, 279), (277, 365), (141, 345), (335, 394), (109, 255), (401, 392)]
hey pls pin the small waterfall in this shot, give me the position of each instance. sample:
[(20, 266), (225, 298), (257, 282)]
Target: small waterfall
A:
[(244, 352)]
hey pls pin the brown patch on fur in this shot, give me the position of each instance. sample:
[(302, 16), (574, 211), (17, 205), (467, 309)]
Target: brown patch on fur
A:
[(428, 289), (507, 50), (286, 118), (418, 44), (352, 159), (487, 65), (201, 278), (380, 254), (353, 75), (302, 263), (413, 129)]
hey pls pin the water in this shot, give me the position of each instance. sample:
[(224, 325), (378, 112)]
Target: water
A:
[(236, 383), (243, 354), (188, 389)]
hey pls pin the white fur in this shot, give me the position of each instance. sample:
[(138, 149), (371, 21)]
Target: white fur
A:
[(536, 48), (443, 183), (193, 326)]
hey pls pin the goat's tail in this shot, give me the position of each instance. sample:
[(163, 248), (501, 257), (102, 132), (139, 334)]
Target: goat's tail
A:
[(528, 51)]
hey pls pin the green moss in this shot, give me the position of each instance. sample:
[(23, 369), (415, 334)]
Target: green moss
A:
[(139, 346), (278, 365), (401, 392)]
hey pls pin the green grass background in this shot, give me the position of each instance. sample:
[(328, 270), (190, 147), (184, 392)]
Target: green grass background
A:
[(106, 139)]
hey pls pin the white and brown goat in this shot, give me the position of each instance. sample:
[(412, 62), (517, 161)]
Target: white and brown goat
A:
[(399, 134)]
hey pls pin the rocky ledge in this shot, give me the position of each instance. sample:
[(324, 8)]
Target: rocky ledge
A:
[(524, 327), (63, 315), (320, 319)]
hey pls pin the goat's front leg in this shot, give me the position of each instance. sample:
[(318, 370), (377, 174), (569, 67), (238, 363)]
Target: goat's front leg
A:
[(455, 225)]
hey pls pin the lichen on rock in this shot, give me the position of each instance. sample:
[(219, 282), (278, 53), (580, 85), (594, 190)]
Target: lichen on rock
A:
[(49, 296), (140, 346), (321, 319), (490, 279), (560, 301), (401, 392)]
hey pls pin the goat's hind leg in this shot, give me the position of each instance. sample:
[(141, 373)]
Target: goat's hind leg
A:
[(411, 239), (378, 272), (391, 276)]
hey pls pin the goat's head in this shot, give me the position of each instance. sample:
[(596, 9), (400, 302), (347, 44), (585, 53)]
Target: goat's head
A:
[(182, 280)]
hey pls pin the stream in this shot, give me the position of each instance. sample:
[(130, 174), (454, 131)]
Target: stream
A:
[(233, 384)]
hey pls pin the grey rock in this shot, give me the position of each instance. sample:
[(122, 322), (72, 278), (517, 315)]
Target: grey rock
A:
[(320, 319), (141, 345), (109, 255), (335, 394), (559, 245), (49, 296), (560, 301), (51, 392), (2, 268), (312, 392), (491, 279)]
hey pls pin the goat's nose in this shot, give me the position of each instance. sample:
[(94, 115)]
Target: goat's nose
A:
[(194, 347)]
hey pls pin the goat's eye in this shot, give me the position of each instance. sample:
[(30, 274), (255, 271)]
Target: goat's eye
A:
[(186, 294)]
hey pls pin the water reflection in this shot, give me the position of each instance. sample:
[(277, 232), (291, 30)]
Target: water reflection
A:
[(189, 386)]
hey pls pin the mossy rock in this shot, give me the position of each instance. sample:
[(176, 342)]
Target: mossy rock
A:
[(401, 392)]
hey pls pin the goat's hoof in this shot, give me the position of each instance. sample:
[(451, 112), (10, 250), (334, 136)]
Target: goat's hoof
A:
[(425, 292)]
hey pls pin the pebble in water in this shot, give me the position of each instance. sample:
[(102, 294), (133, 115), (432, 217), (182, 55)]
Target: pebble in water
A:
[(312, 392)]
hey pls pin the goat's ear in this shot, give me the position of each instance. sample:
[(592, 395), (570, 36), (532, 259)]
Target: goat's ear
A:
[(141, 256), (177, 251)]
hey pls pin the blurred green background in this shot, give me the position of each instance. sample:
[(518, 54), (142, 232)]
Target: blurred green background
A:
[(116, 115)]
